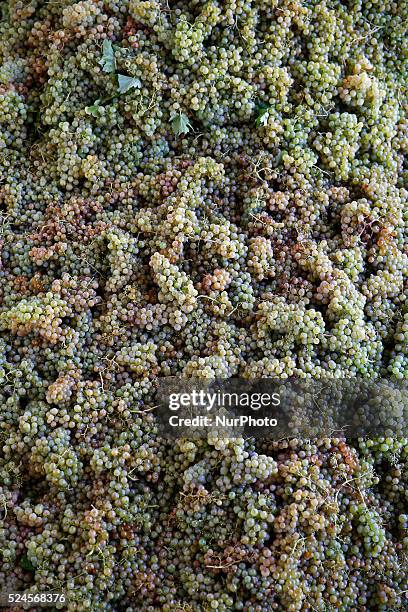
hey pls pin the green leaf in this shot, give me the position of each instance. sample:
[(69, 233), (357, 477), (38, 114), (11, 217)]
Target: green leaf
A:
[(180, 124), (262, 118), (125, 83), (108, 61), (26, 564), (262, 114), (95, 110)]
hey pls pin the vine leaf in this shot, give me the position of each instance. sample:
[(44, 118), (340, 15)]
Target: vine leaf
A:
[(180, 124), (108, 61), (95, 109), (262, 114), (126, 83)]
